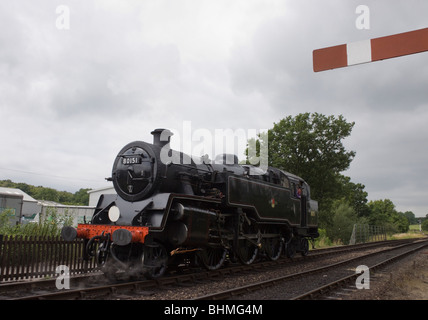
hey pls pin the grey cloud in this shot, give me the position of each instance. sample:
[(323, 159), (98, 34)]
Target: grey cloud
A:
[(73, 98)]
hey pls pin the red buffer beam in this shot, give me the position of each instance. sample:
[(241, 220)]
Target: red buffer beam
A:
[(370, 50)]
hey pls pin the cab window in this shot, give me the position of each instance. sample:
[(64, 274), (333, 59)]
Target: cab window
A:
[(284, 181)]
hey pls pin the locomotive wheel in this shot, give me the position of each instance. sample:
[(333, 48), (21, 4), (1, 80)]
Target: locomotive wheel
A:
[(272, 243), (213, 258), (155, 260), (290, 249), (109, 262), (101, 255), (273, 248), (304, 247), (247, 246), (247, 252), (108, 266)]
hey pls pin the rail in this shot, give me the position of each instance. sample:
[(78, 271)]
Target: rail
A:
[(231, 293), (96, 287)]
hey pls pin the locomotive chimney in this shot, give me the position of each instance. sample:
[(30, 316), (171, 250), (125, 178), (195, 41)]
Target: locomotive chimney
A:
[(161, 137)]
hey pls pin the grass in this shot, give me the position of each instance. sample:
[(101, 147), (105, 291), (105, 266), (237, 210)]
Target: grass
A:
[(414, 227), (323, 241), (411, 234)]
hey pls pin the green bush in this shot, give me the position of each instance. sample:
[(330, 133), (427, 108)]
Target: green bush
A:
[(49, 225), (322, 240), (425, 225), (344, 218)]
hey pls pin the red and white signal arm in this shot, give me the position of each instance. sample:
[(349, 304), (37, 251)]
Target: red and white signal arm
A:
[(370, 50)]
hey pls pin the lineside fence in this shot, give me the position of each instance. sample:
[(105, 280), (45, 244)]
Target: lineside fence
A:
[(363, 233), (25, 257)]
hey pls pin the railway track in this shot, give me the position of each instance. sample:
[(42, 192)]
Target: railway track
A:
[(374, 260), (95, 286)]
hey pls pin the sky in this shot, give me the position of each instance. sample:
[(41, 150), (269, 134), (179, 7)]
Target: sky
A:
[(80, 79)]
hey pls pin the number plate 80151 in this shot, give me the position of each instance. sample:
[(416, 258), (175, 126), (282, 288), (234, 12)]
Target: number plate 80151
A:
[(131, 160)]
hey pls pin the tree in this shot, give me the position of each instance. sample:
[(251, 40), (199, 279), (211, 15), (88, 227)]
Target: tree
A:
[(411, 217), (65, 197), (355, 195), (81, 197), (401, 222), (383, 213), (344, 218), (380, 211), (48, 194), (310, 146), (424, 225)]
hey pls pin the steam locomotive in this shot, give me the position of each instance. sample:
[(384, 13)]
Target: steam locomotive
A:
[(176, 211)]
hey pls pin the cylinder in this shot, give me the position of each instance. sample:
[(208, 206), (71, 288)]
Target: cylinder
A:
[(177, 233)]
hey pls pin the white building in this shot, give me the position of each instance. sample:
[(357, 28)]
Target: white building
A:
[(94, 194), (29, 205), (80, 214), (32, 209)]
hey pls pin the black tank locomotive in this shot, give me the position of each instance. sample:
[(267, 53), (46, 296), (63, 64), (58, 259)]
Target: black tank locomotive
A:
[(169, 210)]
